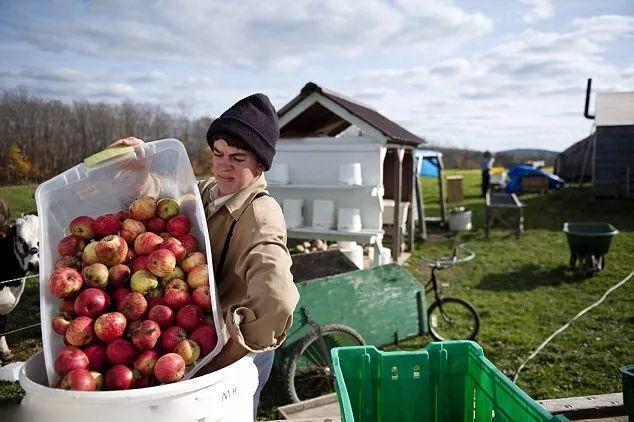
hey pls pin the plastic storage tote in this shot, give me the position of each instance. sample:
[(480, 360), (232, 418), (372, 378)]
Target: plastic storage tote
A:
[(106, 183), (627, 377), (445, 381)]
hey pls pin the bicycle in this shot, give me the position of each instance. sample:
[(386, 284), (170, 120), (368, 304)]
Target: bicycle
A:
[(450, 318)]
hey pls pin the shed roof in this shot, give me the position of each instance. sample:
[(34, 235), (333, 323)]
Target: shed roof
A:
[(319, 119)]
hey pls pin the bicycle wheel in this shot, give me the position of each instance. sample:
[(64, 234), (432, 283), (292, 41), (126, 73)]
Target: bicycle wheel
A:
[(451, 318), (309, 373)]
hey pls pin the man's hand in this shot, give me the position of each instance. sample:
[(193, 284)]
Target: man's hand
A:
[(231, 353), (130, 141), (141, 163)]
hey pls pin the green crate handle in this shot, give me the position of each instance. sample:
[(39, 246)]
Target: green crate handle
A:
[(107, 154)]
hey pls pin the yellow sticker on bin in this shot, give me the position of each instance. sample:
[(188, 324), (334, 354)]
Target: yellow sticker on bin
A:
[(107, 154)]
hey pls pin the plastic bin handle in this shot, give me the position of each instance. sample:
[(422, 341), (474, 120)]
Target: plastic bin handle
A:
[(107, 154)]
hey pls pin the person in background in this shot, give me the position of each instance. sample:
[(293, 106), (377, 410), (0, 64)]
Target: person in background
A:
[(487, 164)]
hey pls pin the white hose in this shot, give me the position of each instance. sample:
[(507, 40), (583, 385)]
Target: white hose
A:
[(566, 325)]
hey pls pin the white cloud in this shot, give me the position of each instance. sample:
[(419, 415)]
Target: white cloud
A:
[(540, 10)]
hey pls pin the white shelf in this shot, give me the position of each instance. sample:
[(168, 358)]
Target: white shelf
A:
[(363, 236)]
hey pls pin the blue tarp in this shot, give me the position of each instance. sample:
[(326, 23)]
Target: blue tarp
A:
[(516, 174), (428, 164)]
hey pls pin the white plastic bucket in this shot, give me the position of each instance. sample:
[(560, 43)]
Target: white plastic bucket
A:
[(224, 395), (292, 209), (460, 221), (388, 212), (353, 251), (278, 174), (323, 213), (349, 219), (109, 187), (350, 174)]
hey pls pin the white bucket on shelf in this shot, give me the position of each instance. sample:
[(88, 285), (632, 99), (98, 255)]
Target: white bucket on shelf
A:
[(388, 212), (386, 256), (350, 174), (460, 221), (292, 209), (353, 251), (323, 213), (349, 219), (278, 174)]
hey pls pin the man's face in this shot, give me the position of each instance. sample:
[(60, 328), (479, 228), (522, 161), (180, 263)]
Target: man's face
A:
[(234, 168)]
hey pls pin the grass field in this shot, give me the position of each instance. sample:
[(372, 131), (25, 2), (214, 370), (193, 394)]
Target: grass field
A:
[(522, 288)]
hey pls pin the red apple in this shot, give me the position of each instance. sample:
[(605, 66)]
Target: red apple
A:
[(60, 323), (95, 275), (91, 303), (189, 350), (98, 379), (177, 284), (198, 276), (71, 246), (146, 336), (78, 379), (143, 282), (193, 260), (119, 294), (144, 363), (97, 358), (68, 261), (123, 215), (67, 306), (140, 263), (155, 225), (111, 250), (162, 262), (131, 229), (119, 377), (189, 242), (133, 306), (155, 301), (110, 326), (176, 273), (89, 254), (176, 247), (119, 276), (189, 317), (144, 381), (106, 225), (171, 336), (163, 315), (121, 351), (129, 257), (167, 208), (70, 358), (143, 208), (147, 242), (64, 282), (80, 332), (176, 299), (206, 337), (178, 226), (169, 368), (202, 298), (82, 227)]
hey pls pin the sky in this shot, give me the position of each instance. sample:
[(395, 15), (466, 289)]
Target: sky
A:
[(477, 74)]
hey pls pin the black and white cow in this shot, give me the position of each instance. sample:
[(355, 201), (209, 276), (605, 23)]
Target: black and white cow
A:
[(19, 252)]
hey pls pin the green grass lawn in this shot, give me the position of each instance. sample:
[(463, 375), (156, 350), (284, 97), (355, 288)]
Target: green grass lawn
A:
[(19, 198)]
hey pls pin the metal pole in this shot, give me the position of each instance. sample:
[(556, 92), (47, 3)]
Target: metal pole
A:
[(396, 244), (410, 210)]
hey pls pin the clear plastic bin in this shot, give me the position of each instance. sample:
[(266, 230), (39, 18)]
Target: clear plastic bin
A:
[(161, 169)]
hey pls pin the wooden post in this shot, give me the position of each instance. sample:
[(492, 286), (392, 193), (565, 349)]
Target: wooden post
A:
[(396, 237), (410, 211), (420, 203), (487, 216), (441, 188)]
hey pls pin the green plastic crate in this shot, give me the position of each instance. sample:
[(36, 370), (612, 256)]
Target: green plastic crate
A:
[(445, 381)]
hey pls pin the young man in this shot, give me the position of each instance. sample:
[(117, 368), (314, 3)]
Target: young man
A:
[(487, 164), (248, 236)]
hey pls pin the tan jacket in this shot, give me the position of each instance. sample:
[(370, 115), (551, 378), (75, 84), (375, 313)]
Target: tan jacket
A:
[(256, 289)]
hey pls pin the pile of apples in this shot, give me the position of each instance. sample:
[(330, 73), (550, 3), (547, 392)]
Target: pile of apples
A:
[(135, 307)]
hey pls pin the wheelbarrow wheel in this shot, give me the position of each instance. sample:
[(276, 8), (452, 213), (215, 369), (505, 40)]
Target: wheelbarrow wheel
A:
[(452, 318), (309, 373)]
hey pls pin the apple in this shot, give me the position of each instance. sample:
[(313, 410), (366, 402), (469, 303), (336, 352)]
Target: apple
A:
[(158, 300), (178, 226), (155, 225), (140, 263), (167, 208), (64, 282), (78, 379), (177, 272), (98, 377), (129, 258), (189, 317), (80, 332), (67, 306), (177, 284), (68, 261), (146, 335), (110, 326), (144, 363), (60, 323), (171, 336), (69, 358), (89, 254), (82, 227), (161, 263), (147, 242), (192, 260), (189, 350), (206, 337), (97, 358), (121, 351), (119, 294), (198, 276), (177, 248), (201, 298), (163, 315), (123, 215), (106, 225), (119, 276), (189, 242), (91, 303), (111, 250), (176, 299), (143, 281), (119, 377), (169, 368), (133, 306), (143, 208), (95, 275), (131, 229), (71, 246)]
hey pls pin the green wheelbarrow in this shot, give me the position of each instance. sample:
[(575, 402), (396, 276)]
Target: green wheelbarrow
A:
[(589, 243)]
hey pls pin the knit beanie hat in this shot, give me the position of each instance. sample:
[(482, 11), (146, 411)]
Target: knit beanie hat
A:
[(252, 120)]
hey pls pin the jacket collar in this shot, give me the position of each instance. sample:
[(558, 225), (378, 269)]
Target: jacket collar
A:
[(238, 203)]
